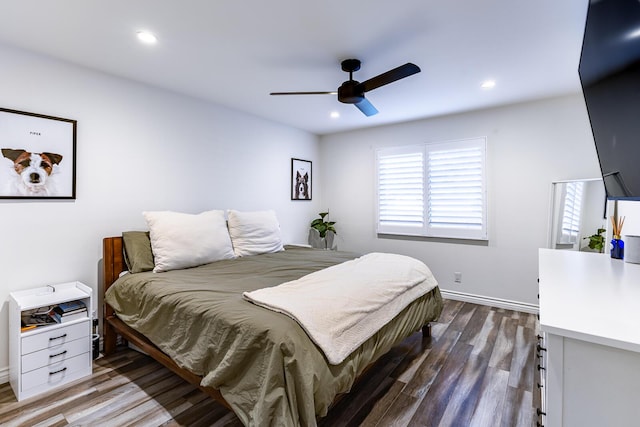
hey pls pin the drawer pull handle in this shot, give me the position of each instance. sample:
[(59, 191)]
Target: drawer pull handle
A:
[(57, 338), (51, 356), (58, 371)]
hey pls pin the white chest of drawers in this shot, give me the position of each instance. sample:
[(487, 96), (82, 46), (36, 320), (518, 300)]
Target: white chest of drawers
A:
[(590, 318), (49, 356)]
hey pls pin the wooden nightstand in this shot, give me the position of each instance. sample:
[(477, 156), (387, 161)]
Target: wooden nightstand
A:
[(48, 356)]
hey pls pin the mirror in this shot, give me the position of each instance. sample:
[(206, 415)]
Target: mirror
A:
[(578, 211)]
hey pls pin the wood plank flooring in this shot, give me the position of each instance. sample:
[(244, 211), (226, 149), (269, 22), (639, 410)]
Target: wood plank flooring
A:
[(477, 369)]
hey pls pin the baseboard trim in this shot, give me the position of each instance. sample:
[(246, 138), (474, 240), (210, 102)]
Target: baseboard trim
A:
[(4, 375), (490, 301)]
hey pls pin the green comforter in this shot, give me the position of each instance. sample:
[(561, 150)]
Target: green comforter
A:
[(263, 363)]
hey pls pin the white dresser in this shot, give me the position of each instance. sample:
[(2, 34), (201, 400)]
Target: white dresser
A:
[(48, 356), (590, 319)]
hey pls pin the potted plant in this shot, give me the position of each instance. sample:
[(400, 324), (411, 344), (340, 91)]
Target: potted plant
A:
[(322, 232), (596, 241)]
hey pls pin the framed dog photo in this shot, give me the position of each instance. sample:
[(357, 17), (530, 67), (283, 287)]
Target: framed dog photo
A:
[(38, 158), (300, 179)]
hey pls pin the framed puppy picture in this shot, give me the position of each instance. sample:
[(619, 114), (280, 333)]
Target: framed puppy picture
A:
[(38, 158), (300, 179)]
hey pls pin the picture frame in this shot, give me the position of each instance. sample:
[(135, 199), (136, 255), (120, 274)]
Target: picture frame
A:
[(37, 156), (301, 179)]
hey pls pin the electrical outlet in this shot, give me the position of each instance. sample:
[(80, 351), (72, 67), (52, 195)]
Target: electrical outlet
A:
[(457, 277)]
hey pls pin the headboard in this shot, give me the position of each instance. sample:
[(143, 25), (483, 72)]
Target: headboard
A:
[(112, 266), (113, 260)]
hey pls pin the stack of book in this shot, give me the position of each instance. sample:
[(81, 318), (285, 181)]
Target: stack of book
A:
[(68, 311)]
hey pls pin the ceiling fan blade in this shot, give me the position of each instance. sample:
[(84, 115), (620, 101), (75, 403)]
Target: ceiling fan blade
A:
[(366, 107), (390, 76), (304, 93)]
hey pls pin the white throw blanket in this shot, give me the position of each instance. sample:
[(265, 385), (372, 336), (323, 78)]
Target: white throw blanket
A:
[(342, 306)]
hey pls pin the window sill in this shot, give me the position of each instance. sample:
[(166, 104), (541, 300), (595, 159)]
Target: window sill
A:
[(417, 238)]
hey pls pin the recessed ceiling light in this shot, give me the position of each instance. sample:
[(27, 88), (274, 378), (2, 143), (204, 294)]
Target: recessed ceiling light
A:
[(147, 37), (488, 84), (334, 114)]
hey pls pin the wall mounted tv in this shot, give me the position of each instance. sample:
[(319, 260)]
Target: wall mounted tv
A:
[(610, 77)]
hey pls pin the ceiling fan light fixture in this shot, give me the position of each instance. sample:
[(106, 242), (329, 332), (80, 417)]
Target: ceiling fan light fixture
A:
[(350, 92), (334, 115)]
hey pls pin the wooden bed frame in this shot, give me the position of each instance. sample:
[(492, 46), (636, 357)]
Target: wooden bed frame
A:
[(113, 265)]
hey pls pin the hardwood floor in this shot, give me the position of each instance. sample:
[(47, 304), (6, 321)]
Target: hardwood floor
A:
[(477, 369)]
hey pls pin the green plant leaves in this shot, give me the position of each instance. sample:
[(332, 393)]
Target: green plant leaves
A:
[(596, 241), (323, 226)]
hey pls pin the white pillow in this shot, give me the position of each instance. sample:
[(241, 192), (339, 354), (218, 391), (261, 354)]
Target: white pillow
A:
[(254, 233), (180, 240)]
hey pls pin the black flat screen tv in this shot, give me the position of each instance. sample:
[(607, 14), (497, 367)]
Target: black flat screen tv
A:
[(610, 78)]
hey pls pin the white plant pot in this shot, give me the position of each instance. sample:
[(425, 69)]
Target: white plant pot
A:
[(328, 242)]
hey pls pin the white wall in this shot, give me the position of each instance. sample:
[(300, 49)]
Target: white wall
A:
[(138, 148), (528, 146)]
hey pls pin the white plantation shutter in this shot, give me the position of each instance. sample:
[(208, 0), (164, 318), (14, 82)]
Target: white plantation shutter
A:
[(401, 190), (456, 191), (435, 190), (571, 213)]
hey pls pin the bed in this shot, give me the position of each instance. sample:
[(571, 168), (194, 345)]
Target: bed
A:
[(257, 362)]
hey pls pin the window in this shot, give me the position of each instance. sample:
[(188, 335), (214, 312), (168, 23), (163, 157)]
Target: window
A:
[(434, 190), (401, 182), (571, 213)]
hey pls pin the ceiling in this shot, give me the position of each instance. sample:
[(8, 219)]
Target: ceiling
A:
[(235, 53)]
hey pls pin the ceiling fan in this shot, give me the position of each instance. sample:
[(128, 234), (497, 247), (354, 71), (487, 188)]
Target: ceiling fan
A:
[(352, 91)]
